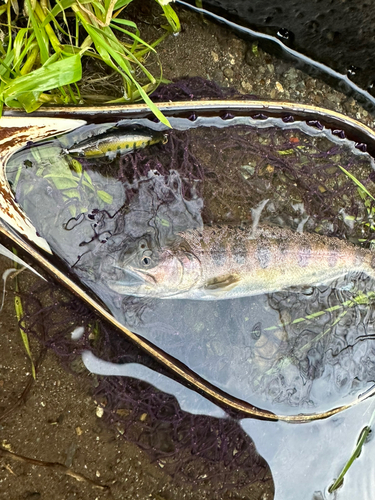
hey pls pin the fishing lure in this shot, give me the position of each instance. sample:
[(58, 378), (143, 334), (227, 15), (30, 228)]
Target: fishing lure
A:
[(116, 141)]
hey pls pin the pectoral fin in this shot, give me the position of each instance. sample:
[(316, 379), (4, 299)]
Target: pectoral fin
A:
[(222, 283)]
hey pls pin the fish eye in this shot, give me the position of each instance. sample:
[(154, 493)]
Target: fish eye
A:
[(146, 261)]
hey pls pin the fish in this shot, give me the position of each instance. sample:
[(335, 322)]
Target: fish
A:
[(223, 262), (116, 141)]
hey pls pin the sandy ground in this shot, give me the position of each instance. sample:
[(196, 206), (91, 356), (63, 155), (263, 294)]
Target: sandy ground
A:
[(58, 421)]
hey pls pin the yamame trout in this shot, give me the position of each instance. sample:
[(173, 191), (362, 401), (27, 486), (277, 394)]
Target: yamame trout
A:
[(225, 263)]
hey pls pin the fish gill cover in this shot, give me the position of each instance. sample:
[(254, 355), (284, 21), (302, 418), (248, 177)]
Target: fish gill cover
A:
[(290, 351)]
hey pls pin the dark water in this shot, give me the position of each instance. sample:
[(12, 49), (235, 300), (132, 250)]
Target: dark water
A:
[(333, 42)]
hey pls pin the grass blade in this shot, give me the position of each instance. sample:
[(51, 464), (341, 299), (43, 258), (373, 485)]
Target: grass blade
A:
[(122, 3), (356, 181), (45, 55), (20, 314), (40, 34), (134, 36), (125, 22), (55, 75), (357, 451), (171, 16)]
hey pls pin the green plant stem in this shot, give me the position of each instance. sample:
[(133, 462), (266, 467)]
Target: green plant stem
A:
[(356, 181), (51, 34), (357, 451), (30, 61), (20, 314)]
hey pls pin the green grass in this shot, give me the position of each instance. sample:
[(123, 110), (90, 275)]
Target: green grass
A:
[(20, 315), (357, 451), (368, 200), (41, 55)]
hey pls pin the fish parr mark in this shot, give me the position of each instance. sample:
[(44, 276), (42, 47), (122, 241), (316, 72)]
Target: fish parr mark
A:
[(239, 255), (333, 255), (219, 254), (263, 254), (283, 247), (359, 258), (304, 254)]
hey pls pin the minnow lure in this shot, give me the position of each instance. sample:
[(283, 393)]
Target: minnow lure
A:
[(116, 141)]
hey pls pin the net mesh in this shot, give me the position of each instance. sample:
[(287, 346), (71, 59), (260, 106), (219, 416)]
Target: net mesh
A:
[(233, 169), (214, 455)]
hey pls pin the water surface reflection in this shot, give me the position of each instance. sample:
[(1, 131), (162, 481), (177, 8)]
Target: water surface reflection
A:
[(306, 348)]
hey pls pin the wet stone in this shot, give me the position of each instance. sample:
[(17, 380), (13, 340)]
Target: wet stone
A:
[(246, 86), (292, 75), (228, 72)]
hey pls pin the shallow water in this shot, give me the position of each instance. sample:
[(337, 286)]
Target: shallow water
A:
[(289, 352), (305, 459)]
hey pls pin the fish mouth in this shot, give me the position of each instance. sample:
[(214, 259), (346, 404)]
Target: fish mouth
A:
[(131, 279)]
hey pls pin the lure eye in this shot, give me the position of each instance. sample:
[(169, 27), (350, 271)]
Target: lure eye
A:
[(146, 261)]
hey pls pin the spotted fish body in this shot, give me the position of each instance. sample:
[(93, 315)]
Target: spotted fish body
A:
[(224, 263), (116, 141)]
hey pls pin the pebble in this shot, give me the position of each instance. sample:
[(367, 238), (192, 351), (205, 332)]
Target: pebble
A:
[(99, 411), (261, 70), (247, 87), (215, 56), (273, 94), (292, 74), (334, 98), (279, 87), (301, 86), (228, 72), (249, 57)]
